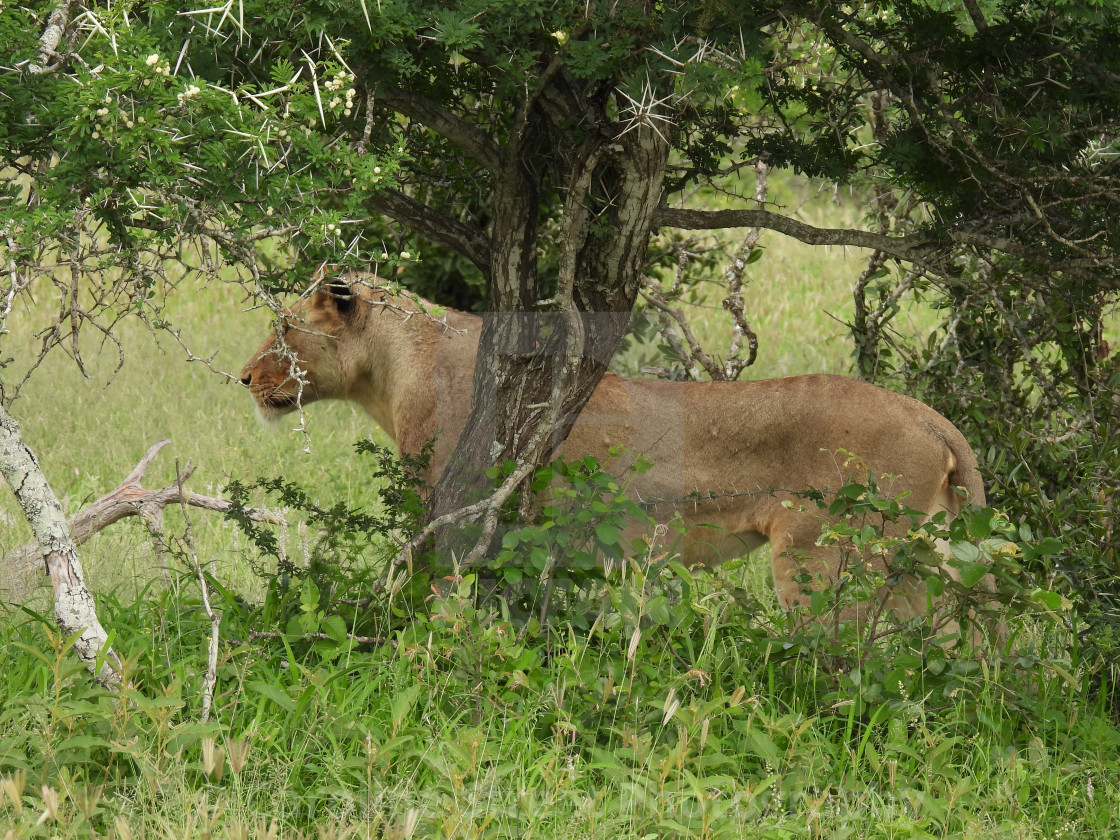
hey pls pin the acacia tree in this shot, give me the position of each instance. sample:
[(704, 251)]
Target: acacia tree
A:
[(543, 145)]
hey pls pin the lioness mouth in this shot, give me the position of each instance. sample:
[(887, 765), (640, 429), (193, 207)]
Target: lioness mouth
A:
[(282, 402)]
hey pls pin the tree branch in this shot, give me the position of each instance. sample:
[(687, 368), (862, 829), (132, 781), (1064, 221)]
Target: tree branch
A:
[(74, 609), (49, 59), (910, 246), (977, 15), (129, 499), (913, 247), (471, 140), (464, 239)]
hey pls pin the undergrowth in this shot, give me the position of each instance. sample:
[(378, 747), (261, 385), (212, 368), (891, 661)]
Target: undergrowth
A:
[(643, 702)]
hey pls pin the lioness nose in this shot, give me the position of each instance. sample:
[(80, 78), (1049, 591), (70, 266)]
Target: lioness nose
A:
[(246, 379)]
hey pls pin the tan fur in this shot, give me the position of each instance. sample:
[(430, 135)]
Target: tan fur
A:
[(749, 443)]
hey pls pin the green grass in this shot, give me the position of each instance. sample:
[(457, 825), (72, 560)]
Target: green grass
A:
[(466, 726), (459, 732)]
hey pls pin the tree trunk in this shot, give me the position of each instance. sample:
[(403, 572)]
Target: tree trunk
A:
[(73, 605), (537, 369)]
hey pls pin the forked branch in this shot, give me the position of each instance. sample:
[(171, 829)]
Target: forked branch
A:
[(128, 499)]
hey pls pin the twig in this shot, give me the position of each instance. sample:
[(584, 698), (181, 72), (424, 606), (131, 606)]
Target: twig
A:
[(688, 666), (676, 330), (733, 302), (256, 635), (211, 677)]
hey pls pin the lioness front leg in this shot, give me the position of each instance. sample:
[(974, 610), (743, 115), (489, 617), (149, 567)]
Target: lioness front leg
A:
[(795, 554)]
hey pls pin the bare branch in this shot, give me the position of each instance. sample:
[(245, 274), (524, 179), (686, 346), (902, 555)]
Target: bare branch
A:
[(673, 325), (914, 247), (256, 635), (905, 247), (464, 239), (977, 15), (129, 499), (74, 609), (49, 60), (471, 140), (733, 365)]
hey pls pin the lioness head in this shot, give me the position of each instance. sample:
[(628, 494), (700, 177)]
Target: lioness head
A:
[(309, 363)]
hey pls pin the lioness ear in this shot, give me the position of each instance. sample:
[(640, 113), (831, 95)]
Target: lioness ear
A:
[(337, 296)]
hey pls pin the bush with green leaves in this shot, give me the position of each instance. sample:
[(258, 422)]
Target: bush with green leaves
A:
[(569, 568), (576, 531), (971, 569), (1027, 374), (326, 591)]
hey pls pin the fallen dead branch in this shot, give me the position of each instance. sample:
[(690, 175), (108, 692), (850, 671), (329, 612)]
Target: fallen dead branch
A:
[(74, 609), (24, 565)]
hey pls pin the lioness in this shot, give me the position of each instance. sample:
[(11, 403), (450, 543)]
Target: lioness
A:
[(746, 443)]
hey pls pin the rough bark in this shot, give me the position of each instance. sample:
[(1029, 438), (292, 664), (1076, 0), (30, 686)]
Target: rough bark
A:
[(539, 361), (74, 608), (49, 59), (509, 327), (537, 368)]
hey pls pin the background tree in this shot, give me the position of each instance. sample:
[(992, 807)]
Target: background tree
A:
[(539, 146)]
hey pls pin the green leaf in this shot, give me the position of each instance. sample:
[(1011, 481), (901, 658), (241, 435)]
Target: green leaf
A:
[(972, 573), (335, 627), (606, 533), (1050, 599), (980, 523), (82, 742), (965, 551), (309, 595), (1049, 547), (818, 604), (274, 693), (402, 704)]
